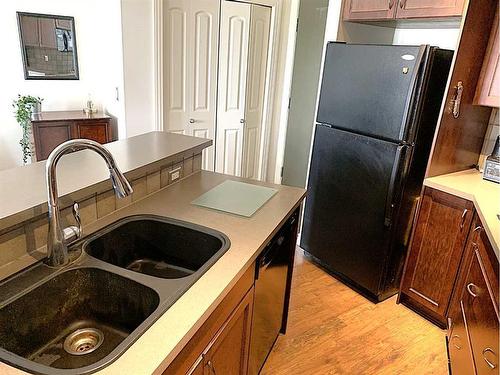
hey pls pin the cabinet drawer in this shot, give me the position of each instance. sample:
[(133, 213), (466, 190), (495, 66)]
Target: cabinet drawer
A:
[(459, 347), (481, 315)]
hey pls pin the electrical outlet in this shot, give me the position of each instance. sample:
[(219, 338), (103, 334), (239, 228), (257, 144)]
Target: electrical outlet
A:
[(174, 175), (46, 58)]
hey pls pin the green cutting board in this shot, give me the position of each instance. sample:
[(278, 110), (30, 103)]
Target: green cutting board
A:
[(236, 197)]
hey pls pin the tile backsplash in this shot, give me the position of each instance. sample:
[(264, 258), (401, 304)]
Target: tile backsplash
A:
[(25, 243), (492, 133)]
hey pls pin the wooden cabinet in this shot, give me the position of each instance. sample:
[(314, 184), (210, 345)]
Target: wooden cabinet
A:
[(47, 30), (474, 313), (358, 10), (429, 8), (50, 129), (227, 354), (369, 9), (488, 88), (435, 252)]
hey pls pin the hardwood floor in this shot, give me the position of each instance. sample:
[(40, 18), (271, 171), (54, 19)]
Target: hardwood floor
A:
[(333, 330)]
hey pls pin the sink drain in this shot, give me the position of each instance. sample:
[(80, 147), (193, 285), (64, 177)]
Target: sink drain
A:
[(83, 341)]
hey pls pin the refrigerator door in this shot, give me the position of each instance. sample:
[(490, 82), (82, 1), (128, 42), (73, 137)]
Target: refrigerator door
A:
[(353, 182), (370, 89)]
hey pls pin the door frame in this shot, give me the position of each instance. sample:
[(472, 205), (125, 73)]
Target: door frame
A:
[(158, 64), (272, 103)]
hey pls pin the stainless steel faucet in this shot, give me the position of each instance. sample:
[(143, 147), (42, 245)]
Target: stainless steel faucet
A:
[(59, 238)]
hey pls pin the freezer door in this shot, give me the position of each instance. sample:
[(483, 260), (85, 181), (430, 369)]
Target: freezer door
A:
[(353, 181), (369, 89)]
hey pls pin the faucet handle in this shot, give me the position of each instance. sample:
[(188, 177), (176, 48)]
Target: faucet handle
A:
[(73, 233), (76, 214)]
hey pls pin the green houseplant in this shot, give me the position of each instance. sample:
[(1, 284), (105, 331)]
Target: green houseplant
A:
[(24, 107)]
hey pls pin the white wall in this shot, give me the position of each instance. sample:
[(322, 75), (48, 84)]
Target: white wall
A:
[(98, 37), (138, 65), (444, 38)]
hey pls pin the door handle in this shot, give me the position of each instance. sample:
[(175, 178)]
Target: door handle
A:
[(488, 362), (472, 289), (462, 219), (242, 121), (192, 121), (395, 180), (211, 367), (457, 98)]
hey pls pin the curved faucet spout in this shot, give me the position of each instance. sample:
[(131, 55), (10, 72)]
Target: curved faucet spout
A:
[(57, 241)]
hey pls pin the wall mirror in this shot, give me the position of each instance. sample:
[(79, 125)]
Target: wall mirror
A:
[(48, 46)]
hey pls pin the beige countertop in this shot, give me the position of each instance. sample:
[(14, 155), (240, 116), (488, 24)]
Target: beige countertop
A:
[(23, 192), (485, 195), (159, 345)]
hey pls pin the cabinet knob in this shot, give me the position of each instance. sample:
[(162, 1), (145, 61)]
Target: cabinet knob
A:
[(211, 367), (490, 364), (191, 121), (242, 121)]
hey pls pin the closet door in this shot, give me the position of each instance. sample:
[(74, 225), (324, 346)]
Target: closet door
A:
[(203, 40), (260, 21), (191, 57), (175, 19), (233, 51)]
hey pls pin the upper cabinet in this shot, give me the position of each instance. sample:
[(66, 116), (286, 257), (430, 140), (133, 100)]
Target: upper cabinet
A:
[(369, 10), (429, 8), (488, 88), (358, 10)]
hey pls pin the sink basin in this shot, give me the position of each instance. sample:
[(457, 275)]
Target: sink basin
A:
[(82, 318), (72, 321), (159, 247)]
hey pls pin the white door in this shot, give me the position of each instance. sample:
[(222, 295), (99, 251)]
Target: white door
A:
[(191, 46), (260, 22), (175, 18), (233, 52)]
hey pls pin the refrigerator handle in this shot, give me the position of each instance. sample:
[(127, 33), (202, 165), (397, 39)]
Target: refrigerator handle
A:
[(394, 184)]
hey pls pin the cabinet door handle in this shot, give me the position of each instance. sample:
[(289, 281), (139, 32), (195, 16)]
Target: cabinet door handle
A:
[(462, 219), (457, 337), (470, 289), (211, 367), (391, 4), (402, 4), (488, 362), (455, 102)]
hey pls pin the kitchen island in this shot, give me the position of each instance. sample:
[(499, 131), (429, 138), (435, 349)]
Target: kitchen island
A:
[(160, 344)]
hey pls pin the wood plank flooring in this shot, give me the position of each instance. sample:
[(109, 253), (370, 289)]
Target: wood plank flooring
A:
[(334, 330)]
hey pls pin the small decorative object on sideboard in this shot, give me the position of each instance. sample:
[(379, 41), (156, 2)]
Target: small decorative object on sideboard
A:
[(90, 106), (492, 164)]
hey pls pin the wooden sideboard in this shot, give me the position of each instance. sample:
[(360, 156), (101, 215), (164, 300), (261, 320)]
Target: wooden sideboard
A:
[(50, 129)]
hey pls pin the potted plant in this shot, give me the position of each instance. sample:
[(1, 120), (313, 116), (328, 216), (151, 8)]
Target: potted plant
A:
[(25, 106)]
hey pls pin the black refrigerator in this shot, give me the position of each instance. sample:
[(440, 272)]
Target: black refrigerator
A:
[(377, 114)]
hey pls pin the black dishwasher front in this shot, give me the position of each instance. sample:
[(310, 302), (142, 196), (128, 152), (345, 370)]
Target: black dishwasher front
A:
[(271, 293)]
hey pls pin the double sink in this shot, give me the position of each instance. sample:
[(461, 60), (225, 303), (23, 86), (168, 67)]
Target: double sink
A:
[(79, 319)]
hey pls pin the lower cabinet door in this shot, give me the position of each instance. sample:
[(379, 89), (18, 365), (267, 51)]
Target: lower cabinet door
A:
[(481, 316), (461, 360), (227, 354)]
